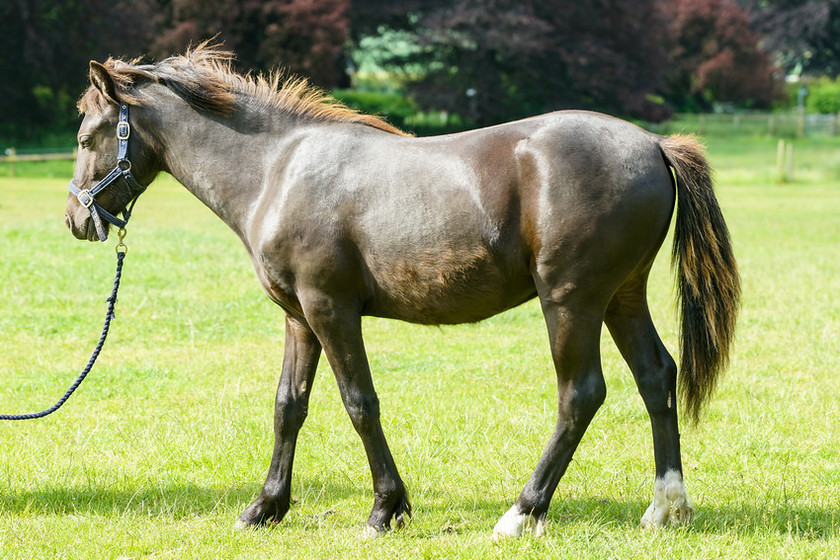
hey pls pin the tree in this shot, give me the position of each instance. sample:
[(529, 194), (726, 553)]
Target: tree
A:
[(716, 57), (304, 36), (47, 45), (803, 34), (504, 59)]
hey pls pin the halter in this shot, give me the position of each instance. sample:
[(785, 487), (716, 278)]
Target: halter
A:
[(121, 171)]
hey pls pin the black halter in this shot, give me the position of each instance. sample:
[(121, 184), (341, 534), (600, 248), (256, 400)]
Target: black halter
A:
[(121, 171)]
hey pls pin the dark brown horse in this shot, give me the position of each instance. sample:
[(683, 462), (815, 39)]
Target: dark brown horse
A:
[(344, 216)]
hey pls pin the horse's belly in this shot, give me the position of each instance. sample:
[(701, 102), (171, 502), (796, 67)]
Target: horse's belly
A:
[(446, 287)]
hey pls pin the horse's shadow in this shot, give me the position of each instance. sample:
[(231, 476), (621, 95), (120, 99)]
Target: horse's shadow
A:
[(189, 500)]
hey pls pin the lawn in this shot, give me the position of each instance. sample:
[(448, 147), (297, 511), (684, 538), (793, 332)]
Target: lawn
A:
[(170, 436)]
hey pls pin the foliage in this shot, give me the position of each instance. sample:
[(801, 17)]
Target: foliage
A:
[(803, 34), (395, 107), (495, 60), (46, 46), (471, 61), (823, 96), (716, 57), (304, 36)]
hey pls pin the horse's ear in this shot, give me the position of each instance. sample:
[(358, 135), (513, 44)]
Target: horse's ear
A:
[(101, 79)]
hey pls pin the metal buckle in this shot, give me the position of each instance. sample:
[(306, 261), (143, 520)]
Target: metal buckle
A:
[(123, 130), (85, 198)]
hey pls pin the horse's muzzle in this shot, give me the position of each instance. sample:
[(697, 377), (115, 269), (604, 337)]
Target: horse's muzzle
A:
[(81, 227)]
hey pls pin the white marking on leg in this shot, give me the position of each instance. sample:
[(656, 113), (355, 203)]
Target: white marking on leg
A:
[(371, 532), (515, 524), (670, 502)]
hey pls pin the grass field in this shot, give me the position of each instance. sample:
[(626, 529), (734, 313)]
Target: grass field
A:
[(170, 436)]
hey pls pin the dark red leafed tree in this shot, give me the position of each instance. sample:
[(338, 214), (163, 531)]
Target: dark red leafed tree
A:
[(716, 56), (304, 36)]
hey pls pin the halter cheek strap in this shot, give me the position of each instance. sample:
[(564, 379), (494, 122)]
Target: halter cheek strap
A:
[(122, 171)]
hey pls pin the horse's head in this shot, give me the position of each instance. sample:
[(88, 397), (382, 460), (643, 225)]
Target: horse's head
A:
[(114, 163)]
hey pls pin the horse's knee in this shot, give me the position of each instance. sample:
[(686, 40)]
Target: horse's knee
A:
[(289, 414), (592, 392), (582, 399)]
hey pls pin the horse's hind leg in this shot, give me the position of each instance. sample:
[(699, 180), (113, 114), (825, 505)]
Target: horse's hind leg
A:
[(300, 360), (630, 324), (574, 332)]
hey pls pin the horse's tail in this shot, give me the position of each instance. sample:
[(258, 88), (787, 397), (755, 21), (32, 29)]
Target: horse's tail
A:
[(707, 275)]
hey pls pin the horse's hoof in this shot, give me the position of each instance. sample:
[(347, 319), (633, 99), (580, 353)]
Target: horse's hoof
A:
[(670, 505), (383, 517), (241, 525), (515, 524), (262, 512), (371, 532)]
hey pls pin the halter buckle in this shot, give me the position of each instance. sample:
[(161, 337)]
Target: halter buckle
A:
[(123, 130), (85, 198)]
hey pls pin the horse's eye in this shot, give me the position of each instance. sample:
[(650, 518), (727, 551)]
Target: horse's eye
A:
[(85, 141)]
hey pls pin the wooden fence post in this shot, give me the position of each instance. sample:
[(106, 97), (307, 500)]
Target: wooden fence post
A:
[(800, 122), (780, 161), (789, 162)]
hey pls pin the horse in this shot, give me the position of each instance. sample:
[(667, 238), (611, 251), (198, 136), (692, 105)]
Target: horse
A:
[(345, 216)]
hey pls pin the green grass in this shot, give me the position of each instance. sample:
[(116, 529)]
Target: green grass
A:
[(170, 436)]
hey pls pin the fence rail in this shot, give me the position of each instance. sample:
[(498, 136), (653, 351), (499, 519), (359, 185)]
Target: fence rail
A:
[(788, 125), (11, 157)]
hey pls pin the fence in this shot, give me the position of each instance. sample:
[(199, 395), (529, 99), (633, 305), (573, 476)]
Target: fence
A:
[(784, 125), (12, 157)]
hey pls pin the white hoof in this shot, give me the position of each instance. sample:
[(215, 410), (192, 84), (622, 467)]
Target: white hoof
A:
[(670, 503), (372, 532), (515, 524)]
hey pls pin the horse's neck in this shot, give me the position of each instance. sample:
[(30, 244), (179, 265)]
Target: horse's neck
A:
[(222, 165)]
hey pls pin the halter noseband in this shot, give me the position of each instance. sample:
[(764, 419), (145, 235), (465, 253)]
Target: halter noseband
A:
[(121, 171)]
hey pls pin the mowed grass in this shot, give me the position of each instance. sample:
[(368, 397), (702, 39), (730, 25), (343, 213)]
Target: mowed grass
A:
[(170, 436)]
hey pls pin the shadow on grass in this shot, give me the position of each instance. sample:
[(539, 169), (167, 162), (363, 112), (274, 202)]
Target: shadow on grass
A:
[(183, 501), (175, 500)]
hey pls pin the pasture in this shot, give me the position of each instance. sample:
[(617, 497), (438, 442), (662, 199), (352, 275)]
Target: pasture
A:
[(169, 438)]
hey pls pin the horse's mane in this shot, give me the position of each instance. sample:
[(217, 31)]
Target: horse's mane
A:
[(204, 77)]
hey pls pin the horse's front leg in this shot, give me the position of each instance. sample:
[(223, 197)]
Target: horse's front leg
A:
[(300, 360), (339, 327)]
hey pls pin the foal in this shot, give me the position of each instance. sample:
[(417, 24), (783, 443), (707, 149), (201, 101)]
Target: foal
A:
[(344, 216)]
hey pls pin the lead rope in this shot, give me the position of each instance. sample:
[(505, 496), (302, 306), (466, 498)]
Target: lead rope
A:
[(109, 314)]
